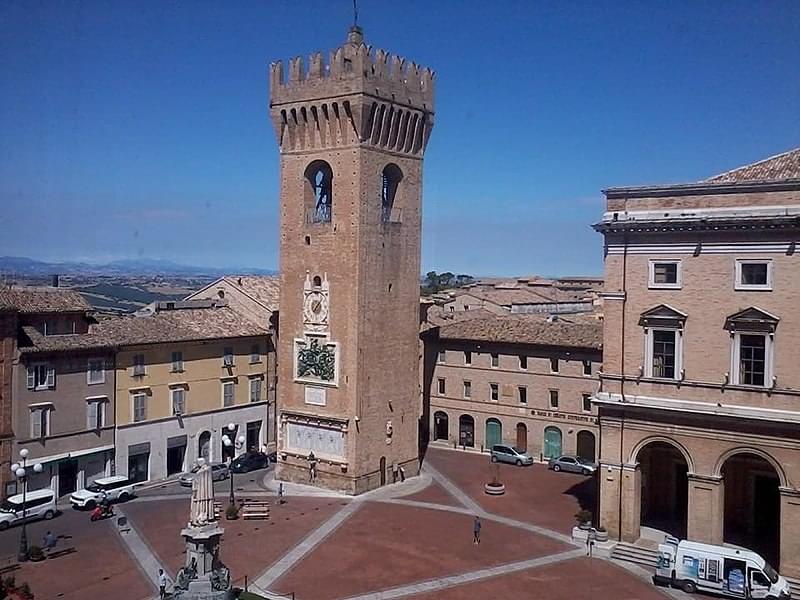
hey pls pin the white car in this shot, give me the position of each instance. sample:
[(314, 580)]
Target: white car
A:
[(118, 488), (39, 504)]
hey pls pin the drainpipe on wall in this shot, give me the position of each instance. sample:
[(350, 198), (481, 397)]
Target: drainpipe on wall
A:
[(622, 380)]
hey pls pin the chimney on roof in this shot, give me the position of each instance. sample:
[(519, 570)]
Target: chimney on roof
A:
[(55, 280), (239, 281)]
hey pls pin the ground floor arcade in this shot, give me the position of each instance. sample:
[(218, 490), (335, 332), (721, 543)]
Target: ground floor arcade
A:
[(715, 481)]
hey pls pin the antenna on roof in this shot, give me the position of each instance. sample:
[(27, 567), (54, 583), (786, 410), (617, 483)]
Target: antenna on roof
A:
[(355, 13)]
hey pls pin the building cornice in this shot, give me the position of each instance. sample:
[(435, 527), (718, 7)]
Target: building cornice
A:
[(701, 188)]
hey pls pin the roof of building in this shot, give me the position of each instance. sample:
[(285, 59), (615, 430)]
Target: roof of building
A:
[(42, 300), (178, 325), (265, 289), (781, 166), (575, 331)]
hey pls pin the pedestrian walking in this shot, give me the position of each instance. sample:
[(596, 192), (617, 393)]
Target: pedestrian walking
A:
[(162, 584), (476, 530), (312, 466), (280, 493), (49, 541)]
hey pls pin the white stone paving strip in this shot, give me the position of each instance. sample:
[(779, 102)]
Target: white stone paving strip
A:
[(646, 575), (442, 583), (141, 551), (298, 552), (454, 490)]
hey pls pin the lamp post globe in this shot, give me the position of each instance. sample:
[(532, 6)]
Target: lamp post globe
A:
[(14, 468), (23, 453), (231, 427), (20, 472), (37, 468), (241, 440)]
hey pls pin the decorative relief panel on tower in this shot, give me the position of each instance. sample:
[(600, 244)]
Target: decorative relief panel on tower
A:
[(325, 437), (316, 360)]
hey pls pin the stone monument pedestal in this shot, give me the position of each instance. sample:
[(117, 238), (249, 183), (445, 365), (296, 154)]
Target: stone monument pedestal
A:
[(204, 577)]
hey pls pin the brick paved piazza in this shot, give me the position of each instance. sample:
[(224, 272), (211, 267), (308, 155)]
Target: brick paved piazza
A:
[(412, 540)]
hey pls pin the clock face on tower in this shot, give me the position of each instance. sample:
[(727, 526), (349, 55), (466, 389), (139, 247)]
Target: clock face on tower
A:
[(315, 308)]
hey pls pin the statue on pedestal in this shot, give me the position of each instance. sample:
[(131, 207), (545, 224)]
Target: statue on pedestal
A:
[(201, 511)]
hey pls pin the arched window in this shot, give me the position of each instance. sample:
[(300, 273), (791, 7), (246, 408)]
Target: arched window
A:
[(441, 426), (552, 442), (319, 192), (390, 179), (466, 431)]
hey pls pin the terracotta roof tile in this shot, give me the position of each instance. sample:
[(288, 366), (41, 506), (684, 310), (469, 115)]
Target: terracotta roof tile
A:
[(265, 289), (778, 167), (574, 331), (50, 300)]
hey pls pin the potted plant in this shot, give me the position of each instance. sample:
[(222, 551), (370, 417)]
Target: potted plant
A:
[(584, 519), (601, 535), (232, 512), (35, 554), (494, 487)]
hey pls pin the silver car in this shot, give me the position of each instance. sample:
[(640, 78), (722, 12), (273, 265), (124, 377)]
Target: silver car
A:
[(509, 454), (572, 464), (219, 471)]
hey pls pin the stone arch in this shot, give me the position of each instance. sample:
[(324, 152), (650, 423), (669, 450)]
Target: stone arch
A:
[(664, 468), (466, 431), (441, 426), (748, 450), (658, 438)]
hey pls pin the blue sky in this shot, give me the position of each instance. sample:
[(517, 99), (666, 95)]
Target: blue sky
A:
[(140, 128)]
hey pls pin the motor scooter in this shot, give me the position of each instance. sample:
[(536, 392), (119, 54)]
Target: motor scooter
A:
[(102, 511)]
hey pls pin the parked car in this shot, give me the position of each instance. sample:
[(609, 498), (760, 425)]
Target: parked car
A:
[(250, 461), (572, 464), (219, 472), (39, 504), (116, 488), (509, 454)]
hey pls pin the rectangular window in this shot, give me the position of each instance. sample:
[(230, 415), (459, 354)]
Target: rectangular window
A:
[(228, 393), (522, 394), (178, 401), (554, 365), (227, 357), (523, 362), (467, 358), (664, 353), (467, 389), (442, 386), (40, 422), (753, 274), (41, 377), (665, 274), (752, 359), (49, 328), (493, 392), (495, 360), (587, 367), (96, 373), (177, 362), (553, 398), (95, 414), (256, 385), (139, 407), (255, 354), (442, 359), (138, 364), (587, 403)]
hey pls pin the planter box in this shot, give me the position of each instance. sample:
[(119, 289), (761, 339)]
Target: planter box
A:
[(494, 490)]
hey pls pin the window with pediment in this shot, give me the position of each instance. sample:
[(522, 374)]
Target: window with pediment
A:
[(752, 332), (663, 335)]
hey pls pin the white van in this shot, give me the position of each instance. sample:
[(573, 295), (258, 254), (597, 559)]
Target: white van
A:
[(720, 570), (39, 504), (114, 488)]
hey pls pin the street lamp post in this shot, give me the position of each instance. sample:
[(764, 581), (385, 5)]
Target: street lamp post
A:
[(236, 444), (20, 472)]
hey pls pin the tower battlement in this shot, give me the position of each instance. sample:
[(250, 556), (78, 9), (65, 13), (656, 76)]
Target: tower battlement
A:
[(354, 68)]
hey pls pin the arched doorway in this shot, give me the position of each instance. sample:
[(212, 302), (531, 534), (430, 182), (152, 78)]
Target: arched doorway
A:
[(383, 470), (466, 431), (586, 445), (204, 446), (665, 488), (441, 426), (552, 442), (494, 432), (752, 505), (522, 437)]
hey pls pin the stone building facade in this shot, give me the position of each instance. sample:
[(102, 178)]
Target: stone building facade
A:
[(523, 380), (699, 395), (352, 135)]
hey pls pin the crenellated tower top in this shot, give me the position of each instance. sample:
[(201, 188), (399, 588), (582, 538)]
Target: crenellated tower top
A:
[(371, 90)]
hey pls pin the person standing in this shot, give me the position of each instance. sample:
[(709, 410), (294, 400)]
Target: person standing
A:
[(162, 584), (476, 530), (280, 493), (312, 466)]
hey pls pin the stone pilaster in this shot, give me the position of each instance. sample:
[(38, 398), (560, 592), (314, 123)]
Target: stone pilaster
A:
[(789, 530), (706, 510)]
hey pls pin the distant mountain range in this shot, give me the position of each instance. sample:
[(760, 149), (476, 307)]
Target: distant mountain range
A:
[(20, 265)]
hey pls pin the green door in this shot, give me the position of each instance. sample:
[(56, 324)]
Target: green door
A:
[(552, 442), (494, 433)]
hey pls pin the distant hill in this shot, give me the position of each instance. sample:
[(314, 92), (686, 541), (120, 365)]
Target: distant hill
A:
[(21, 265)]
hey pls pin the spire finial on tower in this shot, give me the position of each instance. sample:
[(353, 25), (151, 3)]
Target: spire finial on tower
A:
[(356, 35)]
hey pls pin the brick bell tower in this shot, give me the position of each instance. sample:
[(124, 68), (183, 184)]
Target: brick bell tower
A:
[(352, 133)]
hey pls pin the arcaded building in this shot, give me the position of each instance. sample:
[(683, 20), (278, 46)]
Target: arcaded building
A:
[(699, 404), (352, 132), (525, 380)]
